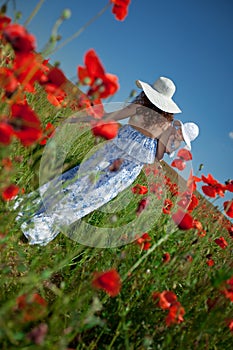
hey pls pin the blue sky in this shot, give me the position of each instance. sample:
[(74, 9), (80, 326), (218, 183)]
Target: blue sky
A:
[(187, 41)]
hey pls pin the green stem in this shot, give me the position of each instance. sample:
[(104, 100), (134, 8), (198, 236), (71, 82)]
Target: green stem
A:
[(76, 34), (149, 251), (34, 12)]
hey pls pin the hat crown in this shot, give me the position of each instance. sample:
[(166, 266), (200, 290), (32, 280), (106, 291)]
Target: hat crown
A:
[(191, 130), (165, 87)]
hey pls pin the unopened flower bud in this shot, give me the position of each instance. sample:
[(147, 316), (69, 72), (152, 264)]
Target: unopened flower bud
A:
[(66, 14)]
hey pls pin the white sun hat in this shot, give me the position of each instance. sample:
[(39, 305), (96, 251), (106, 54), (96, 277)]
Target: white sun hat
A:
[(161, 94), (190, 131)]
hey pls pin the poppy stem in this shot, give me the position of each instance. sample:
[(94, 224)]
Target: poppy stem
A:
[(34, 12), (157, 244), (76, 34)]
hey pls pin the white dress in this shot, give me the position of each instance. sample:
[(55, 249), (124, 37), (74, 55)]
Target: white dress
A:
[(86, 187)]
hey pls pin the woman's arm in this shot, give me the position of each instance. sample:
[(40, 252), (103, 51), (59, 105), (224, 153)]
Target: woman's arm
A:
[(123, 113)]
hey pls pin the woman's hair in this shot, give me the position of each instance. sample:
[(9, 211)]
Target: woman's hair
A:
[(151, 114)]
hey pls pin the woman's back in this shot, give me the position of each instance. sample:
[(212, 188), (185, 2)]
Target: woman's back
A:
[(150, 123)]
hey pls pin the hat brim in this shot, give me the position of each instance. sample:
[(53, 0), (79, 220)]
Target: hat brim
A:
[(185, 136), (159, 100)]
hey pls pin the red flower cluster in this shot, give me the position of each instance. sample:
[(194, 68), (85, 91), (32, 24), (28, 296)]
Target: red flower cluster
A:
[(167, 300), (27, 67), (120, 8), (31, 307), (171, 186), (144, 241), (109, 281)]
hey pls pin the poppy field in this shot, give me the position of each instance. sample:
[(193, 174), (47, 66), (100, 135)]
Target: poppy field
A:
[(170, 287)]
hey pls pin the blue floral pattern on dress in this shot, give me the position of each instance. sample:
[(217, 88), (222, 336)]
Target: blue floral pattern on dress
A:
[(88, 186)]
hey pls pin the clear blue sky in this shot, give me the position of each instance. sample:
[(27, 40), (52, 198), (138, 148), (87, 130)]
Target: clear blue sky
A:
[(188, 41)]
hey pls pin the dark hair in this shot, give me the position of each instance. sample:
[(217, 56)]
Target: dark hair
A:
[(149, 116)]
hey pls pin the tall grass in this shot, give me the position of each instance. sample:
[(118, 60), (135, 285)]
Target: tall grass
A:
[(81, 317)]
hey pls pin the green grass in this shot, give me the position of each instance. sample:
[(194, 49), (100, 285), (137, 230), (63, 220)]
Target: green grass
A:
[(81, 317)]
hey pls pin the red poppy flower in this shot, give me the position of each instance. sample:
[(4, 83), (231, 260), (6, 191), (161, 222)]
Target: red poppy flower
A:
[(29, 68), (185, 199), (6, 133), (49, 131), (93, 74), (175, 314), (230, 325), (197, 224), (213, 188), (193, 203), (209, 191), (120, 9), (172, 187), (10, 192), (93, 108), (180, 164), (19, 38), (167, 205), (229, 186), (56, 77), (107, 130), (183, 220), (165, 299), (191, 182), (55, 95), (142, 205), (156, 188), (8, 81), (221, 242), (4, 21), (139, 189), (185, 154), (109, 281), (166, 257), (228, 207), (228, 289), (7, 163), (210, 262), (32, 306), (25, 123), (144, 241), (188, 201)]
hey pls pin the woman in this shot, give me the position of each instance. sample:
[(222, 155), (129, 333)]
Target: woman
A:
[(148, 135)]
